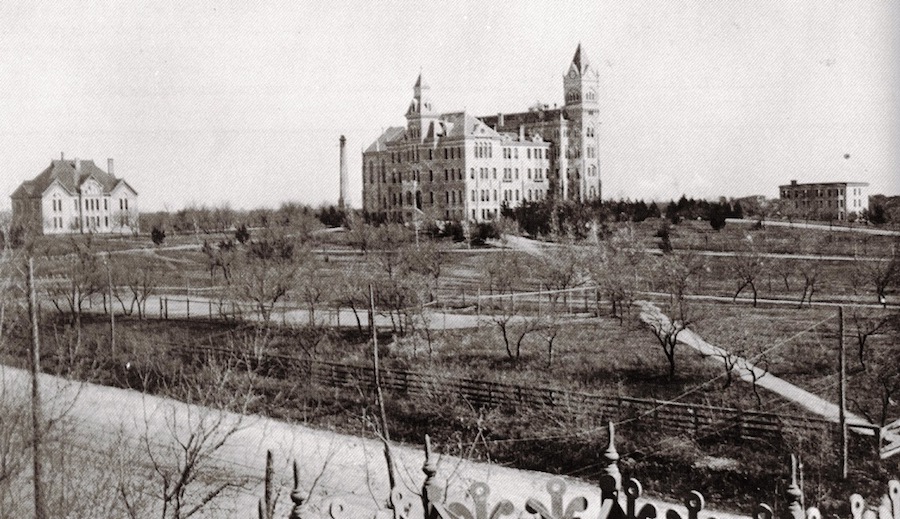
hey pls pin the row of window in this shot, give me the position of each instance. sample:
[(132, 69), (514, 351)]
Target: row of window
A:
[(809, 193), (413, 155), (91, 222), (90, 204), (822, 203), (456, 197), (482, 150)]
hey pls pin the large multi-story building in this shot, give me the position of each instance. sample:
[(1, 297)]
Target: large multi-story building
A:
[(827, 200), (455, 166), (75, 196)]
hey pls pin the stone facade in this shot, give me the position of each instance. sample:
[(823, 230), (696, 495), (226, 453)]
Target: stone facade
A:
[(455, 166), (76, 196)]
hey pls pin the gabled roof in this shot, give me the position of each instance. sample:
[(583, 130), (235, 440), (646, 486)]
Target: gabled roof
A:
[(63, 172), (463, 125)]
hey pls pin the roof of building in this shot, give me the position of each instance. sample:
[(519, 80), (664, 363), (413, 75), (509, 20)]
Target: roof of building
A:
[(530, 117), (392, 134), (453, 125), (63, 172), (824, 184)]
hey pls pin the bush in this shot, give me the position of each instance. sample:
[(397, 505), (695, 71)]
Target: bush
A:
[(157, 235), (242, 234)]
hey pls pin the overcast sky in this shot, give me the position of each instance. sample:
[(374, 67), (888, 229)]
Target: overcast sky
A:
[(212, 102)]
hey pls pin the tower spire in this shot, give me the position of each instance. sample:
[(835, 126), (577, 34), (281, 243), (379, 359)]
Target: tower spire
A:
[(580, 60)]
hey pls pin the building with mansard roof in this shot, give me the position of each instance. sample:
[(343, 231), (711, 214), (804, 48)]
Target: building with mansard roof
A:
[(456, 166), (75, 196)]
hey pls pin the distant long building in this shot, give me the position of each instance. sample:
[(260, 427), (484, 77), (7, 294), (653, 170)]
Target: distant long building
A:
[(75, 196), (455, 166), (826, 200)]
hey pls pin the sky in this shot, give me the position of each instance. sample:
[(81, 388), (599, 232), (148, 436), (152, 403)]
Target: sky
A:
[(243, 103)]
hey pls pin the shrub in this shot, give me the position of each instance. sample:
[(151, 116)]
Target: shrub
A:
[(242, 234), (157, 235)]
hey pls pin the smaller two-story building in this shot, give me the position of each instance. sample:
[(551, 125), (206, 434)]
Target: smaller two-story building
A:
[(827, 200), (75, 196)]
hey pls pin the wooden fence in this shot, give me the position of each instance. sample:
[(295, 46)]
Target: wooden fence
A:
[(697, 420)]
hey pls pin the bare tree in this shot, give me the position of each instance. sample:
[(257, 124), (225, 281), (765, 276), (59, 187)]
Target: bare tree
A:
[(79, 277), (561, 269), (513, 325), (809, 269), (879, 275), (755, 363), (617, 266), (352, 289), (182, 442), (220, 257), (673, 273), (746, 266), (867, 323), (266, 271), (426, 260), (312, 285), (785, 269), (502, 270), (881, 380)]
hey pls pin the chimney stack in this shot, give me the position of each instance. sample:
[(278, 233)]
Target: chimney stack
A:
[(500, 120), (62, 155), (109, 167), (77, 164), (521, 132), (342, 199)]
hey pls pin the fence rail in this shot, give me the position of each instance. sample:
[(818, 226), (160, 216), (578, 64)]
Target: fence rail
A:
[(693, 419)]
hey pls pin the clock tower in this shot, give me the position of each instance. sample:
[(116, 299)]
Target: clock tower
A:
[(581, 85)]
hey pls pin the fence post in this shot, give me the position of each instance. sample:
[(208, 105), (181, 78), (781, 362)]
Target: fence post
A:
[(188, 300), (540, 290), (478, 303), (160, 308), (210, 309), (167, 308)]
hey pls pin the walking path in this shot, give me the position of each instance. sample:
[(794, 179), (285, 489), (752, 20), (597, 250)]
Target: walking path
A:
[(652, 315), (818, 226), (102, 417)]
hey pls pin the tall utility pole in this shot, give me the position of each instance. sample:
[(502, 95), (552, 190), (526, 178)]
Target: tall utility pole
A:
[(112, 310), (842, 387), (40, 510)]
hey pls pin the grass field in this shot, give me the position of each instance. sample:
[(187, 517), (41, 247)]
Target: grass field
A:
[(601, 355)]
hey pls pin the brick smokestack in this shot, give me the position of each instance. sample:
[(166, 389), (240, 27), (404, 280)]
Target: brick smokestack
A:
[(109, 167), (342, 199)]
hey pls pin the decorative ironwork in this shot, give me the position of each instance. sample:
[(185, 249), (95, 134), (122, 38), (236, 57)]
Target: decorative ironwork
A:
[(616, 500)]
